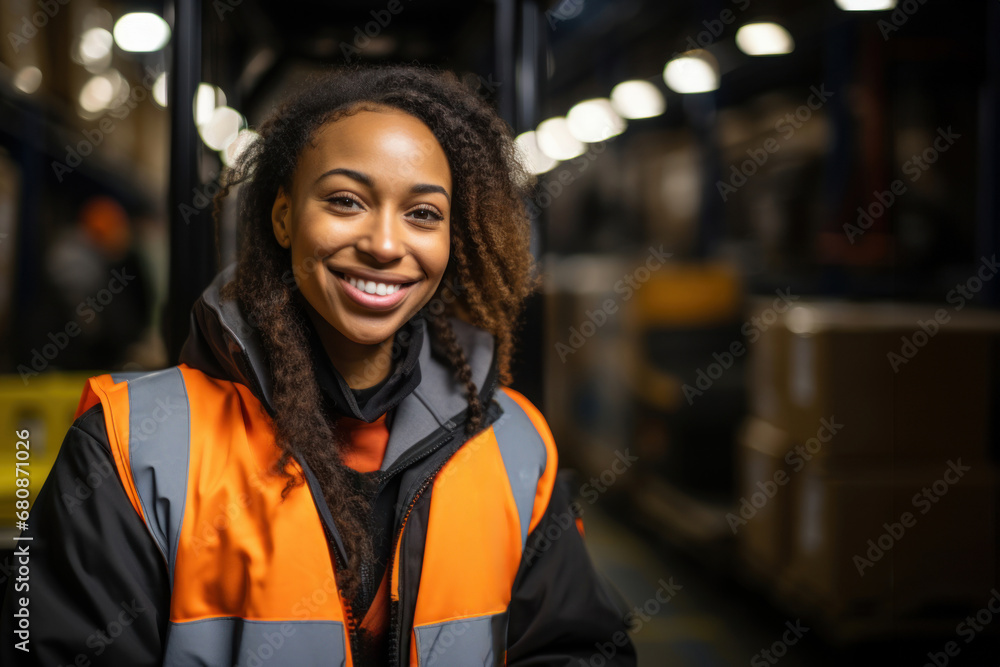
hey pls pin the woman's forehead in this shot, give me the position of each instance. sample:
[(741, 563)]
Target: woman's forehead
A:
[(389, 145)]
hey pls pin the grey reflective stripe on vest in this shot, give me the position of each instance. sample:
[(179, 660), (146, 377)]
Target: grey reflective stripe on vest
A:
[(159, 453), (461, 643), (159, 427), (524, 456), (216, 642), (122, 376)]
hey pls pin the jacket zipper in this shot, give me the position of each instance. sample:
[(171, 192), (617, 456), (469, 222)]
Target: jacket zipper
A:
[(396, 607), (451, 427), (340, 563)]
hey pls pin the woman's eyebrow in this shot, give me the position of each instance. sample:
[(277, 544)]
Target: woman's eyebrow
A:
[(362, 178), (366, 180), (425, 188)]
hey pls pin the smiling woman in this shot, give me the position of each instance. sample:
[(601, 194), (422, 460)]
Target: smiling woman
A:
[(338, 472), (364, 219)]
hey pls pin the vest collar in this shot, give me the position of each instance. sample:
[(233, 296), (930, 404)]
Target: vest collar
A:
[(223, 343)]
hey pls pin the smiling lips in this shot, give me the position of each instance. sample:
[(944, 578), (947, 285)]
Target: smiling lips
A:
[(372, 294)]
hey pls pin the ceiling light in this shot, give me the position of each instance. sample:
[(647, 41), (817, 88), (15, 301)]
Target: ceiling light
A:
[(97, 94), (556, 141), (160, 90), (234, 150), (534, 159), (28, 79), (95, 45), (222, 128), (205, 101), (637, 99), (141, 32), (866, 5), (692, 72), (594, 120), (764, 39)]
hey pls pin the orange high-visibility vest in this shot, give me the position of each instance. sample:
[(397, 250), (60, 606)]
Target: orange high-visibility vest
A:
[(252, 578)]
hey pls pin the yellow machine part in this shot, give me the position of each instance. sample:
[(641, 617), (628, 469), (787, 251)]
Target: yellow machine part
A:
[(692, 294), (44, 407)]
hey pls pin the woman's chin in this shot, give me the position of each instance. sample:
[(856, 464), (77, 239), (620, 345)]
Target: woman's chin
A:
[(368, 330)]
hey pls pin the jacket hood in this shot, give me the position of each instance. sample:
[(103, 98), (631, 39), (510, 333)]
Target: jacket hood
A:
[(223, 343)]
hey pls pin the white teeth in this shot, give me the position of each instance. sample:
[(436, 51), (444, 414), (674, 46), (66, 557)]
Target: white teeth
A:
[(381, 289)]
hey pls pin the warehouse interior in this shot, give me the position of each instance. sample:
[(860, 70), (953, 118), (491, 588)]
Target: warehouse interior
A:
[(767, 341)]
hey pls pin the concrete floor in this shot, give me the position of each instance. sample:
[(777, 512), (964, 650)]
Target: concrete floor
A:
[(714, 622)]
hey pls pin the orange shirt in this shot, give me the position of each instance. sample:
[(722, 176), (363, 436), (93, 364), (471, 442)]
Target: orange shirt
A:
[(367, 449), (368, 442)]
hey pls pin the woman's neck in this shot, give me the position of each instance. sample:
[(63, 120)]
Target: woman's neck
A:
[(361, 365)]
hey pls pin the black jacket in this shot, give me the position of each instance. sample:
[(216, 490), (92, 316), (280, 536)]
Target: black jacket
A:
[(98, 588)]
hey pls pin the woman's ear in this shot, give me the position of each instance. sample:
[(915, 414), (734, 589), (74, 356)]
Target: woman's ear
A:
[(281, 219)]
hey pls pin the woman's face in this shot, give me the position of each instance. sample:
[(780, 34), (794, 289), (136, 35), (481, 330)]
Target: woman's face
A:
[(370, 200)]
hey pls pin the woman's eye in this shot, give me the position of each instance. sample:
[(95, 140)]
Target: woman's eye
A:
[(427, 215), (343, 202)]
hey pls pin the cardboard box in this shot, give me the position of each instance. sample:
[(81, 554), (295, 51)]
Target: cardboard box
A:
[(761, 517), (885, 542), (903, 396), (585, 391)]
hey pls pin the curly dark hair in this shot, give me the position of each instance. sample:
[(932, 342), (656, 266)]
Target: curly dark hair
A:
[(490, 258)]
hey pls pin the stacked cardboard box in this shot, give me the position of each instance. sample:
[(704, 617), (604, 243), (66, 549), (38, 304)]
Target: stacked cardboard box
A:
[(762, 515), (584, 385), (881, 418)]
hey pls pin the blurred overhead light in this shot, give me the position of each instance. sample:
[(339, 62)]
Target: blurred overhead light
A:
[(866, 5), (801, 320), (637, 99), (97, 94), (556, 141), (28, 79), (95, 45), (141, 32), (692, 72), (222, 128), (160, 90), (234, 150), (206, 99), (119, 86), (764, 39), (594, 120), (204, 104), (532, 156), (98, 66)]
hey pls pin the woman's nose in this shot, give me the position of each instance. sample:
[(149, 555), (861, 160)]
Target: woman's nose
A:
[(382, 236)]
